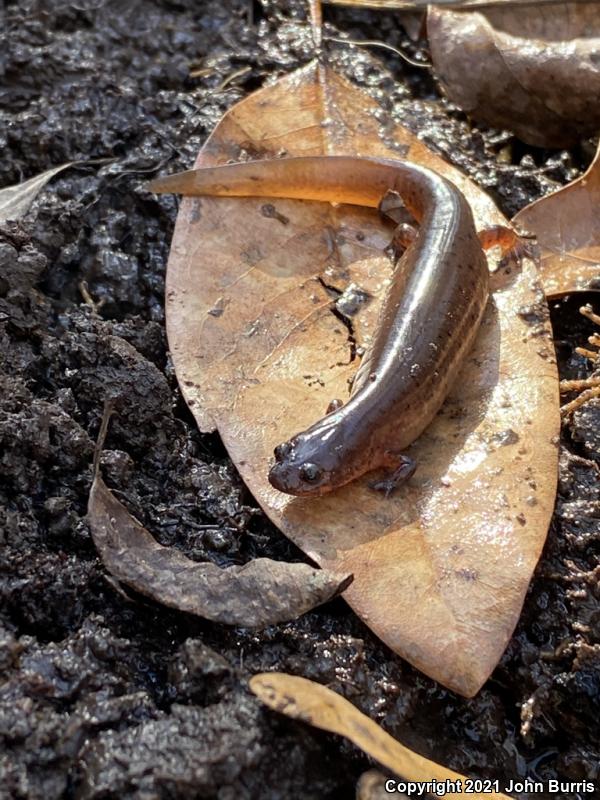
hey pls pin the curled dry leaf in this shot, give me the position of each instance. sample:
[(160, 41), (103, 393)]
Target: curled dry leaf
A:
[(311, 702), (260, 348), (15, 200), (534, 70), (260, 593), (567, 226)]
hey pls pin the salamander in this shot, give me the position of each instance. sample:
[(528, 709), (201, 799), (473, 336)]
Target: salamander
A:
[(428, 322)]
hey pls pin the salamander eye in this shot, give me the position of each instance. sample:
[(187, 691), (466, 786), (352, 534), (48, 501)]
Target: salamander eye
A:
[(282, 451), (310, 472)]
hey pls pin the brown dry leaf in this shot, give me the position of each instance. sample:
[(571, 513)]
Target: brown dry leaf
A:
[(567, 226), (442, 566), (314, 703), (260, 593), (15, 200), (533, 70)]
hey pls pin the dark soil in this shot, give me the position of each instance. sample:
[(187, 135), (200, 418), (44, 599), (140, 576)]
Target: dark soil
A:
[(110, 697)]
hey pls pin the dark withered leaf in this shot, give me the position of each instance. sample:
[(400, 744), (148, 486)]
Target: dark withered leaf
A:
[(260, 593), (534, 70)]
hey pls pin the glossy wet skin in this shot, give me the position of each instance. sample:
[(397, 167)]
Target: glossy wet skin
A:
[(427, 324), (309, 463), (295, 470)]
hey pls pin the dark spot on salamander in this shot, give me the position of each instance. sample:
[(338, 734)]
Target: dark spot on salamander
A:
[(196, 211), (268, 210), (252, 255)]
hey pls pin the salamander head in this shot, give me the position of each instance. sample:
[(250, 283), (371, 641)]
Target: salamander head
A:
[(301, 467)]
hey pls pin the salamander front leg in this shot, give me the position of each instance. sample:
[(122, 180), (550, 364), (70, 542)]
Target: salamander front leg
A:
[(392, 206), (404, 469), (404, 235), (334, 405), (514, 245)]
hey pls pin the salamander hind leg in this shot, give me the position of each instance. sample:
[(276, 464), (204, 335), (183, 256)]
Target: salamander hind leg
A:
[(391, 206), (404, 236), (403, 470)]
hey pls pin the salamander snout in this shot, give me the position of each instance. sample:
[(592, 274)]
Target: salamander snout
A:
[(294, 472)]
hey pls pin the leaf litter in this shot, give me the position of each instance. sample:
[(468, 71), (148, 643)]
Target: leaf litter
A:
[(441, 568), (534, 70), (16, 200), (311, 702), (260, 593), (567, 226)]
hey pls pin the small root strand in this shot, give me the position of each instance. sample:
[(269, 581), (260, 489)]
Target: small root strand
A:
[(591, 354), (579, 385), (588, 312), (589, 388), (579, 401)]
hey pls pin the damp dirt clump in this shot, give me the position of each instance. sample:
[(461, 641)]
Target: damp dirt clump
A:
[(104, 694)]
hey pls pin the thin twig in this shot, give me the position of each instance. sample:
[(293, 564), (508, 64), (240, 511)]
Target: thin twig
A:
[(578, 385), (108, 409), (579, 401), (237, 74), (591, 354), (588, 312), (383, 45)]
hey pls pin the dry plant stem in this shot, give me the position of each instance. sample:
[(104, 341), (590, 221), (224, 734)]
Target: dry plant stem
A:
[(230, 78), (590, 385), (591, 354), (316, 22), (588, 312), (583, 398), (106, 415), (578, 385)]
